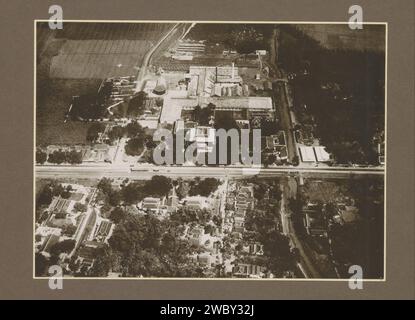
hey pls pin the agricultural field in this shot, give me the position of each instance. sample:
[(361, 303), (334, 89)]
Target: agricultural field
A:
[(74, 61), (354, 211), (80, 59), (100, 50)]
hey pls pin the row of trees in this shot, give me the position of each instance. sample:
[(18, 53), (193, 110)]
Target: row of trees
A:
[(137, 138), (146, 246), (72, 157), (131, 130)]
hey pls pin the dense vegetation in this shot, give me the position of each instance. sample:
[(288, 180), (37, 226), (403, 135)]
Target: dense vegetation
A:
[(50, 190), (60, 156), (262, 225), (133, 192), (203, 115), (203, 187), (353, 243), (362, 242), (45, 195), (94, 130), (342, 89), (240, 37), (146, 246), (89, 106), (41, 156)]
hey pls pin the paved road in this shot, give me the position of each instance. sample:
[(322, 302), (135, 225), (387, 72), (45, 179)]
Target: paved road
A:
[(146, 172)]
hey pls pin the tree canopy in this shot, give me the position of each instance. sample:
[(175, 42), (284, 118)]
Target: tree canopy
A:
[(203, 187), (59, 156), (117, 215), (135, 146), (147, 247), (41, 156), (50, 190), (65, 246)]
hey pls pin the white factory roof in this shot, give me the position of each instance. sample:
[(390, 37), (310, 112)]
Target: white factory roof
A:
[(314, 154), (307, 154)]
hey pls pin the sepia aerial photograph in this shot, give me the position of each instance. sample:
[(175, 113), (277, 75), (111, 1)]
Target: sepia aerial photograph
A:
[(206, 150)]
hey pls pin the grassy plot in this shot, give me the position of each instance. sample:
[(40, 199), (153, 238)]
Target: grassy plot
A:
[(51, 110)]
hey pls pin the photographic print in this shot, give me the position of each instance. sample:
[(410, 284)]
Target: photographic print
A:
[(207, 150)]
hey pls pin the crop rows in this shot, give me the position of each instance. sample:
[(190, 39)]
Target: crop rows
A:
[(100, 50), (98, 58)]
